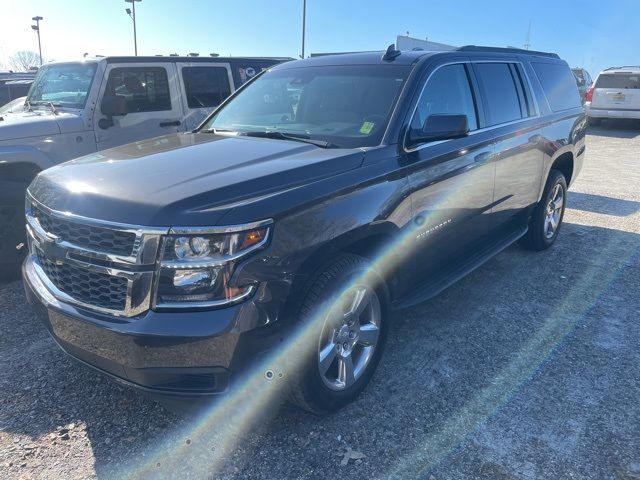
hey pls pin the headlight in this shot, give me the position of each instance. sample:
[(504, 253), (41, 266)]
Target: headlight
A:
[(195, 269)]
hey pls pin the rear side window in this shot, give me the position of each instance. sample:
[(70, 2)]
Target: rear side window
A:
[(559, 85), (145, 89), (447, 91), (618, 80), (205, 86), (502, 98)]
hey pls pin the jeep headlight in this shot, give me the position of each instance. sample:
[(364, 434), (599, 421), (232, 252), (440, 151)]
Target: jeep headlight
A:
[(196, 267)]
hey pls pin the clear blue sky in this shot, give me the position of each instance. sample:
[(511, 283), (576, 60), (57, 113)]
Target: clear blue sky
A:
[(594, 34)]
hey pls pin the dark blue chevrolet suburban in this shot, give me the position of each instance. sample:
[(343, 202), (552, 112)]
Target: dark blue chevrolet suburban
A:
[(275, 238)]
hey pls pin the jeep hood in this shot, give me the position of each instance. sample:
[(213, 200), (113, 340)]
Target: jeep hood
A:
[(184, 179), (18, 125)]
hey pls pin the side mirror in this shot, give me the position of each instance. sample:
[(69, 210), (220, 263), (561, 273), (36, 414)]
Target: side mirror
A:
[(112, 106), (440, 127)]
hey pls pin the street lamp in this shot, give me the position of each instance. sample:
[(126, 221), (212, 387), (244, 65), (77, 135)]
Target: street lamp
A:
[(304, 22), (36, 27), (133, 17)]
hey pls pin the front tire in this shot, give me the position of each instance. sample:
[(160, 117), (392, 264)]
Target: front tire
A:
[(547, 217), (344, 316)]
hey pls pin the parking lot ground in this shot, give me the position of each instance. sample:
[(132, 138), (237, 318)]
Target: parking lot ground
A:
[(528, 368)]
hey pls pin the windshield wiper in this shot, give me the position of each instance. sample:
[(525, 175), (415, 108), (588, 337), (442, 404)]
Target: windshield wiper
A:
[(298, 137), (51, 105)]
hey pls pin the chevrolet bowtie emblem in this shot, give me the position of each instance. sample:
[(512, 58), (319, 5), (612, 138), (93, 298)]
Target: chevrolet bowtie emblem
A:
[(53, 252)]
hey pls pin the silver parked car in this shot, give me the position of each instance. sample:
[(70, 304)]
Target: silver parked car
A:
[(616, 94)]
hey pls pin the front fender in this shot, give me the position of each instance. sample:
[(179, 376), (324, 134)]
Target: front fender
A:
[(24, 154)]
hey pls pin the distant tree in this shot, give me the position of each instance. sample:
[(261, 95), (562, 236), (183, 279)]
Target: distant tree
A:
[(24, 60)]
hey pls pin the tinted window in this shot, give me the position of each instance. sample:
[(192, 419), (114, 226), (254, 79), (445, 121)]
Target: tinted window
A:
[(447, 91), (145, 89), (500, 92), (559, 85), (618, 80), (205, 86)]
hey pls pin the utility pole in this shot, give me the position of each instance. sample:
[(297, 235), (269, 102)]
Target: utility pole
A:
[(36, 27), (304, 22), (133, 17)]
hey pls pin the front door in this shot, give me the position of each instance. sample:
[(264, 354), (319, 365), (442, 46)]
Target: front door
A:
[(152, 103), (451, 181)]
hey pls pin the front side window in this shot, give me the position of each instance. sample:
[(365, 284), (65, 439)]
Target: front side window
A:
[(500, 92), (63, 85), (205, 86), (447, 92), (346, 106), (144, 89)]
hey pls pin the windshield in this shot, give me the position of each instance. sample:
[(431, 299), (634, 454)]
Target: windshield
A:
[(618, 80), (345, 106), (64, 85)]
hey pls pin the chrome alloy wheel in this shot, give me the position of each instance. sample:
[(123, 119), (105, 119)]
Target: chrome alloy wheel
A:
[(554, 211), (349, 337)]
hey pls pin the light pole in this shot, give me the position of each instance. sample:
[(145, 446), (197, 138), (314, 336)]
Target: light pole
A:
[(133, 17), (304, 22), (36, 27)]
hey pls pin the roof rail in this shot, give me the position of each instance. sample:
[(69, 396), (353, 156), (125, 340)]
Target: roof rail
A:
[(479, 48), (623, 66)]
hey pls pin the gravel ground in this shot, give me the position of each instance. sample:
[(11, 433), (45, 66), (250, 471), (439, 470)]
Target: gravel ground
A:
[(527, 368)]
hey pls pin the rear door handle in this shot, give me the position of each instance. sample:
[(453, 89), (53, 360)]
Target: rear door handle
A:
[(174, 123)]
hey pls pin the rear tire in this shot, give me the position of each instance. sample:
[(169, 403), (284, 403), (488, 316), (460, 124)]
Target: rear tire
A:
[(546, 220), (345, 330), (13, 234)]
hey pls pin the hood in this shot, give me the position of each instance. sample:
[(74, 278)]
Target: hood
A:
[(184, 179), (25, 124)]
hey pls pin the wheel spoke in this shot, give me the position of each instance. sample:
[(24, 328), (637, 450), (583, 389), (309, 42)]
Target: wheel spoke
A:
[(360, 301), (345, 371), (368, 334), (327, 356)]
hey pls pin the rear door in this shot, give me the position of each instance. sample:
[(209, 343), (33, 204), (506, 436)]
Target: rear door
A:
[(203, 87), (150, 92), (617, 91), (511, 118)]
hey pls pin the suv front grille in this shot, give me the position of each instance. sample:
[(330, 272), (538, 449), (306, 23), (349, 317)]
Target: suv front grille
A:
[(93, 288), (87, 236), (101, 266)]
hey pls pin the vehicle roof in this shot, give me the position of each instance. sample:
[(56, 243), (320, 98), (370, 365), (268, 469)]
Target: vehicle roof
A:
[(407, 57), (623, 69), (166, 58)]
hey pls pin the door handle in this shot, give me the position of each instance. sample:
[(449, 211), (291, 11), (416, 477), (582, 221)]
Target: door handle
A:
[(174, 123), (483, 157)]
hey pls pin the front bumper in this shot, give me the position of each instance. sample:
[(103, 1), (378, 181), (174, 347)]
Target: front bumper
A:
[(612, 113), (165, 353)]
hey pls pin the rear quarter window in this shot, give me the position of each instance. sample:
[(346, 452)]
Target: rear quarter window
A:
[(559, 85), (619, 80)]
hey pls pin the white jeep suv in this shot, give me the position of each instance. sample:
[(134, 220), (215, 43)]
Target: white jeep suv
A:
[(615, 94)]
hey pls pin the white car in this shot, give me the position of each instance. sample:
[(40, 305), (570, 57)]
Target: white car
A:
[(615, 94)]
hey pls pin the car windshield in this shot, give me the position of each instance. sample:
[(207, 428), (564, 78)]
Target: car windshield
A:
[(63, 85), (344, 106), (618, 80)]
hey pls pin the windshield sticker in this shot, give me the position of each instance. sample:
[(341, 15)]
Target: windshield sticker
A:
[(366, 128)]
